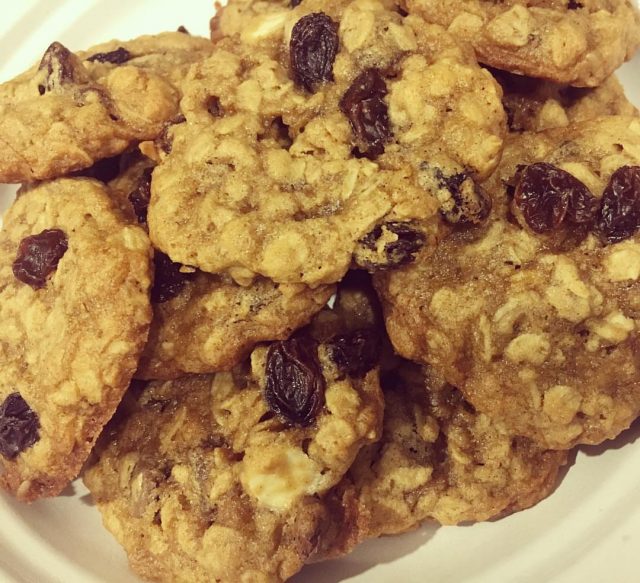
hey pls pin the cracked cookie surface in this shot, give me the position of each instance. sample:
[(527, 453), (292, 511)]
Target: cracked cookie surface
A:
[(73, 110), (70, 334), (577, 43), (292, 168), (535, 316), (203, 478)]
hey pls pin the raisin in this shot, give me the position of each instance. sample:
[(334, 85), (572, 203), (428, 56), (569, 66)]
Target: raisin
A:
[(183, 29), (140, 197), (19, 426), (165, 140), (295, 385), (364, 105), (471, 205), (573, 5), (355, 353), (61, 66), (214, 107), (169, 279), (583, 207), (313, 49), (389, 245), (619, 216), (294, 3), (38, 257), (547, 196), (115, 57)]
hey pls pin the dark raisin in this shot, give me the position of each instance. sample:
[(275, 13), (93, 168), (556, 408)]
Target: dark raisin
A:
[(439, 450), (169, 279), (183, 29), (115, 57), (313, 49), (104, 170), (545, 193), (214, 107), (38, 257), (355, 353), (294, 3), (140, 197), (389, 245), (619, 216), (573, 5), (164, 140), (583, 207), (295, 385), (469, 203), (364, 106), (61, 66), (19, 426)]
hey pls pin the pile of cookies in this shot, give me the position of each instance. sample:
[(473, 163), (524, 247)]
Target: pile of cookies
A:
[(343, 268)]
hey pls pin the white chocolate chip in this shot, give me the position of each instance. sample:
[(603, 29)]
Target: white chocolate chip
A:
[(264, 26), (278, 476)]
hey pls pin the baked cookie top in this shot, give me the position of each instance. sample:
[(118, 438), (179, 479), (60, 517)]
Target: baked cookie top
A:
[(74, 317), (221, 477), (72, 110), (577, 43), (205, 323), (535, 316), (438, 459), (319, 137), (536, 105)]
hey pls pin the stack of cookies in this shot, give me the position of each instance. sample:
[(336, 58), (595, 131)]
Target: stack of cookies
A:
[(347, 267)]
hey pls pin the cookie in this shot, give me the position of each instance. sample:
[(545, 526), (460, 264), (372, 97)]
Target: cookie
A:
[(535, 316), (91, 106), (575, 43), (206, 323), (74, 317), (307, 149), (439, 460), (536, 105), (221, 477)]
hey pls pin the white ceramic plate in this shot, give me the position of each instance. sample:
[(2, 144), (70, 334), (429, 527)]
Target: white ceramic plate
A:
[(587, 531)]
